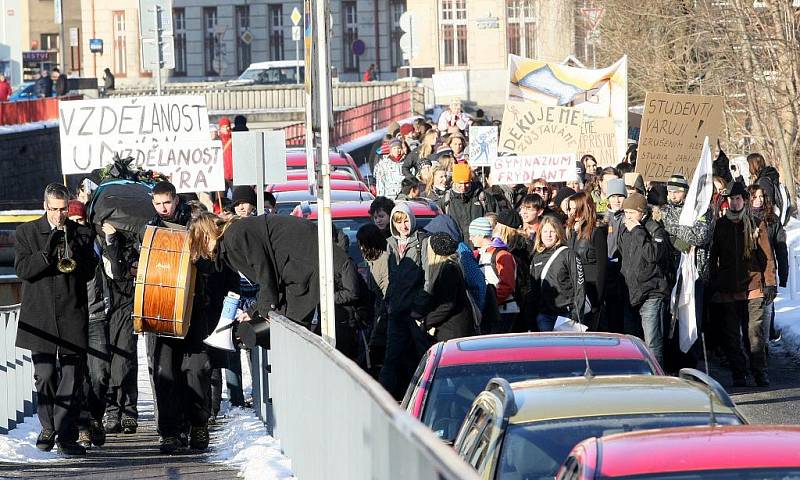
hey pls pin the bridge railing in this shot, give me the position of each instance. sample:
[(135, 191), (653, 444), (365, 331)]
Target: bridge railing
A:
[(336, 422), (16, 373)]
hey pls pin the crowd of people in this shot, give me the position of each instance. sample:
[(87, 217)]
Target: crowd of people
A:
[(600, 253)]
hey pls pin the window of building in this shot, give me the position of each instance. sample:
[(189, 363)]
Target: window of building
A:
[(349, 35), (120, 48), (453, 34), (521, 26), (276, 32), (396, 9), (244, 38), (211, 59), (179, 28)]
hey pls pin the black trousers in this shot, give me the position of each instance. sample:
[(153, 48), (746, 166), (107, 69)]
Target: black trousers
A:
[(97, 373), (406, 343), (123, 392), (58, 379), (182, 381)]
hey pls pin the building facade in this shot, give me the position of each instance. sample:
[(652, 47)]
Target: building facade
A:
[(469, 41), (218, 39)]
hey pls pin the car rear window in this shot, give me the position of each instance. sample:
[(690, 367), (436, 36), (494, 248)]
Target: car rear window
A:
[(455, 387), (537, 449), (350, 226), (495, 343), (738, 474)]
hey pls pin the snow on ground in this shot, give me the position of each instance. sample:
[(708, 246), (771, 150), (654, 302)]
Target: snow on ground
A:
[(787, 305)]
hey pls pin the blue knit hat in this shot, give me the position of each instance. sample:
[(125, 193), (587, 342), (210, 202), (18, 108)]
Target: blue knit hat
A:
[(480, 227)]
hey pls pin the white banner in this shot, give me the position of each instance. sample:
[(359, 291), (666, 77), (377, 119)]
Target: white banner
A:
[(192, 166), (482, 146), (701, 189), (523, 169), (92, 131)]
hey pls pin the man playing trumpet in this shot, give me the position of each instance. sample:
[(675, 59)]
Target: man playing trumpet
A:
[(54, 259)]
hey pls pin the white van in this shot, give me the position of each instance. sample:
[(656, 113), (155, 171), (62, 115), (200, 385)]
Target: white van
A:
[(271, 73)]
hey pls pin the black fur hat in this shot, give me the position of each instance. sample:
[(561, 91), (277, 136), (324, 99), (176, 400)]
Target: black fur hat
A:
[(443, 244)]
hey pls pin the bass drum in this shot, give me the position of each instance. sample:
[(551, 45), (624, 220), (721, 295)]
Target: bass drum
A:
[(164, 283)]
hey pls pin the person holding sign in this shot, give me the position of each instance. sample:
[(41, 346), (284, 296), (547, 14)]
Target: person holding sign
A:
[(453, 117)]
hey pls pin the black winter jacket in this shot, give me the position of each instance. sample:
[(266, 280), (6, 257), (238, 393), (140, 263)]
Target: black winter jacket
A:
[(466, 207), (449, 311), (643, 252), (554, 294), (768, 179), (777, 240), (593, 255)]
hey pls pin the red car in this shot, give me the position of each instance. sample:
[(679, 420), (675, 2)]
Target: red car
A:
[(710, 452), (451, 374), (348, 217), (303, 175), (340, 162), (302, 185)]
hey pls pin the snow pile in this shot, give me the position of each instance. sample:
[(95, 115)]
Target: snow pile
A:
[(787, 305), (19, 446)]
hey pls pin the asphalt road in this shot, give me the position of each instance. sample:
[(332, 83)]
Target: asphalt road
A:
[(125, 457), (777, 404)]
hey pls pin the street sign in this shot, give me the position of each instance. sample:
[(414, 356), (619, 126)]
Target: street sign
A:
[(250, 148), (358, 47), (96, 45), (406, 21), (57, 18), (409, 41), (297, 33), (73, 37), (593, 16), (155, 25), (296, 16)]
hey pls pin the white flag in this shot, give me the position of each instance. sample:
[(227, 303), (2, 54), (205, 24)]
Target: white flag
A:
[(683, 302), (698, 198)]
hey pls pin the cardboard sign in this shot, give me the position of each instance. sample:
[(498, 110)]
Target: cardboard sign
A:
[(599, 139), (533, 129), (598, 93), (523, 169), (482, 146), (674, 127), (91, 131)]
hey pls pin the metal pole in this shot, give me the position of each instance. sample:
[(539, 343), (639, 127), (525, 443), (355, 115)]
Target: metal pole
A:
[(324, 222), (158, 49), (297, 59), (61, 40)]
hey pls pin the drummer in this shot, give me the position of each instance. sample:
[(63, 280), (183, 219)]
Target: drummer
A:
[(181, 368)]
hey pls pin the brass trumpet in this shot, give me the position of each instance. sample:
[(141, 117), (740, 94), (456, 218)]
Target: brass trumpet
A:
[(65, 262)]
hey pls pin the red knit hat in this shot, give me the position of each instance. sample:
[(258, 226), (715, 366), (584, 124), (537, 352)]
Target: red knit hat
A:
[(76, 209), (406, 129)]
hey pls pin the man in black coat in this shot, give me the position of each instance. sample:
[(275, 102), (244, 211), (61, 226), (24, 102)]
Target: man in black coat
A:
[(54, 315)]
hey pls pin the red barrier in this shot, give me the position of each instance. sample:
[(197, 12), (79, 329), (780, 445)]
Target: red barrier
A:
[(353, 123), (28, 111)]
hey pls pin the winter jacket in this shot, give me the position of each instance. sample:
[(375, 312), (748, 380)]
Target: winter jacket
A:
[(435, 195), (389, 176), (411, 165), (378, 283), (351, 295), (280, 254), (473, 275), (768, 179), (698, 235), (447, 119), (777, 240), (501, 272), (466, 207), (450, 313), (44, 87), (643, 251), (54, 312), (593, 255), (731, 273), (5, 90), (60, 86), (406, 274), (213, 281), (553, 294), (615, 282)]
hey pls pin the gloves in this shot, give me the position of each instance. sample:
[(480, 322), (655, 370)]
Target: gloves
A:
[(770, 292), (681, 245), (53, 241)]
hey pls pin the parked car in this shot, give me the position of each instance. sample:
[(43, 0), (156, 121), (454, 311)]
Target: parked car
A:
[(25, 91), (527, 429), (302, 185), (303, 175), (340, 162), (348, 217), (287, 201), (745, 452), (451, 374), (284, 72)]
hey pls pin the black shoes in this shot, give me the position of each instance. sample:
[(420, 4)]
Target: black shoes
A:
[(84, 439), (169, 445), (46, 440), (198, 438), (762, 380), (129, 425), (97, 434), (112, 425), (70, 447)]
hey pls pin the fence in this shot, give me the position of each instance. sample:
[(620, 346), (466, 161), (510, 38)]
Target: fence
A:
[(356, 122), (29, 111), (16, 373), (335, 422)]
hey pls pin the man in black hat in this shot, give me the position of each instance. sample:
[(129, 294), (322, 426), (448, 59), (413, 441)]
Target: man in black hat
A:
[(54, 258), (244, 201)]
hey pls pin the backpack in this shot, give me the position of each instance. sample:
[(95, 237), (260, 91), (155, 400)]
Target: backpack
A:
[(782, 205), (522, 283)]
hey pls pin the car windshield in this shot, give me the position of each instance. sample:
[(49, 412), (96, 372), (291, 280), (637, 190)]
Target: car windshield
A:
[(272, 76), (738, 474), (455, 387), (536, 450), (285, 208)]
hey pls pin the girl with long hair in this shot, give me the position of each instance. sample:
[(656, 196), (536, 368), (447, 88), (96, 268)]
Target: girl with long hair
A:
[(437, 185), (553, 285)]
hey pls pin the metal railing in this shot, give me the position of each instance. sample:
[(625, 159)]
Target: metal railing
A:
[(29, 111), (16, 373), (336, 422)]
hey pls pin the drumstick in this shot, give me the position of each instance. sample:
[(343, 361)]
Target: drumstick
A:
[(219, 200)]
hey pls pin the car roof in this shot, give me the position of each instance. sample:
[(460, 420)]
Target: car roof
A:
[(578, 397), (336, 196), (361, 209), (336, 185), (520, 347), (296, 157), (303, 175), (276, 64), (699, 448)]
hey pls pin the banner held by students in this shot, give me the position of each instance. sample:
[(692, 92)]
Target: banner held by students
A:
[(672, 133), (598, 139), (533, 129), (523, 169), (597, 93), (482, 146)]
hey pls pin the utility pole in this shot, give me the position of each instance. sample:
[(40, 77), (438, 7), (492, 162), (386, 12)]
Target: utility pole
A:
[(59, 18), (159, 56)]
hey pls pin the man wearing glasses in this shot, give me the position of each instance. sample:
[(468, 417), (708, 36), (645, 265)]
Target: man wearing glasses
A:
[(542, 188), (53, 321)]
